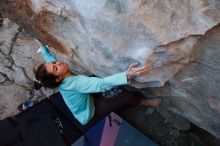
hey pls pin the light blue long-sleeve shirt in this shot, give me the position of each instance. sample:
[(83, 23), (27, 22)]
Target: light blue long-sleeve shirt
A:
[(75, 90)]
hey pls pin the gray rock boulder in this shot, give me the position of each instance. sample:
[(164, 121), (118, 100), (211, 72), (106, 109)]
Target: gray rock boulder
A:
[(103, 37)]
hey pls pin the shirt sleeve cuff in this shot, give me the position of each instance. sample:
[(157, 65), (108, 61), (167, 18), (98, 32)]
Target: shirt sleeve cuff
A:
[(127, 81), (43, 49)]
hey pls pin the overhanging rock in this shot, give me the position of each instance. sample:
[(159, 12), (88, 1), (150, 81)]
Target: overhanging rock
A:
[(106, 36)]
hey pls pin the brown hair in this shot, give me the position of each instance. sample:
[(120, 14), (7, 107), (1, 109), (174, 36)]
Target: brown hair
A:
[(44, 79)]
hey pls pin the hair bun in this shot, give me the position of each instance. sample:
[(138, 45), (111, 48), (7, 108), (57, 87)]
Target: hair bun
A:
[(37, 85)]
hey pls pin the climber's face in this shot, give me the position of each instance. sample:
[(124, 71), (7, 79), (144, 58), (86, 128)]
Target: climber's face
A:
[(58, 69)]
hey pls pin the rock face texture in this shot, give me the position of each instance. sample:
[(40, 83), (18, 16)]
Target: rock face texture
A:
[(194, 92), (17, 58), (103, 37)]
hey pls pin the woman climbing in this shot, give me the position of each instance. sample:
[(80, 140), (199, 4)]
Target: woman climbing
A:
[(76, 89)]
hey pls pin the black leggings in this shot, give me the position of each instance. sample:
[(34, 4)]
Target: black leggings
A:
[(104, 106)]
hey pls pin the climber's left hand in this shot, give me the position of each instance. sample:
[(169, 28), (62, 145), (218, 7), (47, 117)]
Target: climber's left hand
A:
[(134, 71)]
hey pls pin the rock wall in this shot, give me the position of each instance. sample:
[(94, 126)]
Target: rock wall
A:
[(119, 32), (194, 92), (17, 58), (103, 37)]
